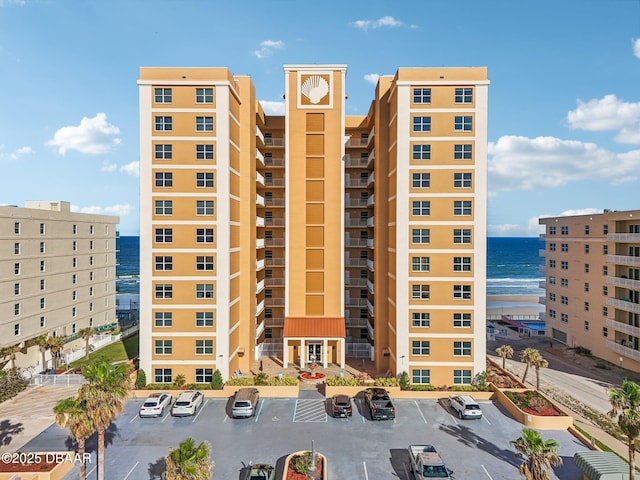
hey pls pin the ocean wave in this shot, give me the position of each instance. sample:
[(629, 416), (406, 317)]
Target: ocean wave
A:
[(515, 280)]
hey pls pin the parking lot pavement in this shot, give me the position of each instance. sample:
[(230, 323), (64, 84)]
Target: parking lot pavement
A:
[(356, 447)]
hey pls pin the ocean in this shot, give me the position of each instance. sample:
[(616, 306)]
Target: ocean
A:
[(512, 265)]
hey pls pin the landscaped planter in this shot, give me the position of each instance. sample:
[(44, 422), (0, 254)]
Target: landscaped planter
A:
[(37, 465), (542, 422), (284, 391), (330, 391), (289, 474)]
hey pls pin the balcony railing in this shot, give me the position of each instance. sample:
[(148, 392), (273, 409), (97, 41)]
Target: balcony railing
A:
[(274, 141), (259, 156), (370, 265), (259, 286), (355, 262), (542, 284), (276, 222), (259, 222), (260, 264), (356, 202), (355, 302), (259, 134), (542, 252), (624, 282), (270, 301), (277, 261), (259, 329), (624, 260), (357, 142), (259, 242), (355, 182), (355, 222), (626, 351), (274, 162), (274, 242), (356, 322), (259, 200), (274, 182), (624, 237), (355, 161), (371, 178), (370, 200), (542, 300), (623, 304), (370, 286), (372, 155), (542, 268), (259, 179), (623, 327), (260, 307), (274, 282), (370, 221), (274, 202), (370, 243), (355, 242), (274, 322), (355, 282), (370, 307)]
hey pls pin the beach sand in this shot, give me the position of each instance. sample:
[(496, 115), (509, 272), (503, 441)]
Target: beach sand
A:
[(513, 305)]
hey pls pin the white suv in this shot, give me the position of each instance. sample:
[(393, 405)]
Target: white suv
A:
[(187, 403), (466, 406), (155, 405)]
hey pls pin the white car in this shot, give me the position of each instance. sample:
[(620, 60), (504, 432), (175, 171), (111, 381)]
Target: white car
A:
[(187, 403), (155, 405), (466, 406)]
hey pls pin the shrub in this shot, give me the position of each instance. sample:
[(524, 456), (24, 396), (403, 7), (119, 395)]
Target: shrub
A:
[(141, 379), (241, 382), (284, 381), (463, 388), (161, 386), (11, 383), (261, 379), (422, 388), (337, 381), (301, 463), (404, 381), (180, 381), (198, 386), (386, 382), (216, 381), (583, 351)]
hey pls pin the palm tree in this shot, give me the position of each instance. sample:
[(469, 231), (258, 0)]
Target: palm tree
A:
[(72, 413), (104, 394), (539, 455), (188, 461), (505, 351), (10, 351), (527, 356), (625, 403), (56, 344), (538, 362), (86, 334), (43, 345)]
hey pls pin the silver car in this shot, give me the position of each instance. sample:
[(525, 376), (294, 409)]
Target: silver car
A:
[(466, 406), (187, 403), (155, 405)]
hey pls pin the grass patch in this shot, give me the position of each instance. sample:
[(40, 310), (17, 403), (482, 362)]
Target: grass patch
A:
[(115, 352), (601, 445)]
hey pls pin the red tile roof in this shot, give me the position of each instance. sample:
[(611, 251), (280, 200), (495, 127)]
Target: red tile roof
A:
[(314, 327)]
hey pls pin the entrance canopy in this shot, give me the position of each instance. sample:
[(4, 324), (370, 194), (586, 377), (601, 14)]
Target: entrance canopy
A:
[(314, 327), (314, 339)]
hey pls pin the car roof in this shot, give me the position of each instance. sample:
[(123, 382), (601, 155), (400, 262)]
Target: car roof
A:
[(341, 397)]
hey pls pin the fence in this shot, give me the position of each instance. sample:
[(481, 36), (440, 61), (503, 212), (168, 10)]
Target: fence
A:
[(57, 380), (359, 350)]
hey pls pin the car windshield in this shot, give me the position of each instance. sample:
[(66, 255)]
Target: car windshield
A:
[(434, 471), (150, 404), (242, 404), (183, 404)]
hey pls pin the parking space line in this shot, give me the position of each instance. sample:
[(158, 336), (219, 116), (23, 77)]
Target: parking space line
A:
[(454, 419), (200, 411), (420, 411), (131, 471), (92, 470), (133, 419), (483, 416), (260, 410), (165, 417), (366, 475), (485, 471)]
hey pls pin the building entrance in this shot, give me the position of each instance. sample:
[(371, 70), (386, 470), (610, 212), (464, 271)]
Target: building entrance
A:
[(314, 353)]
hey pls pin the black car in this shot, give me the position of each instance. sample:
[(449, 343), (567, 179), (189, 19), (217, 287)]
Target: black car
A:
[(341, 406)]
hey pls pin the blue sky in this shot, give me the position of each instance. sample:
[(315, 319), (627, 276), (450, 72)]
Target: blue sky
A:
[(564, 100)]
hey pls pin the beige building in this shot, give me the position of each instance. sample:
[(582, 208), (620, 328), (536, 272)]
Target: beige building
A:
[(58, 274), (314, 236), (592, 271)]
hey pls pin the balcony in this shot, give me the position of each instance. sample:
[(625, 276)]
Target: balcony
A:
[(355, 182), (259, 329), (357, 142), (259, 286), (259, 156), (355, 262), (624, 282), (542, 252), (274, 141), (274, 182), (370, 243), (259, 200), (259, 179), (274, 162), (355, 302), (350, 161), (259, 222), (355, 282), (273, 322), (624, 260), (274, 261), (623, 304), (355, 242), (370, 221), (259, 242), (355, 222), (370, 308), (623, 327), (274, 242), (274, 222), (542, 300), (371, 179), (370, 329), (274, 202), (371, 156), (370, 286), (356, 322), (259, 134), (260, 264), (372, 134), (542, 284), (274, 301), (260, 308), (624, 237), (355, 203), (370, 265), (626, 351), (274, 282), (542, 237), (542, 268), (370, 200)]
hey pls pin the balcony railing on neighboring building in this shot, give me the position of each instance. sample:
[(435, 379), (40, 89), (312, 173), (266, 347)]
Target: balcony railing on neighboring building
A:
[(274, 322), (274, 202), (259, 286), (274, 242), (355, 202), (355, 182), (355, 242), (274, 282), (260, 264), (355, 302), (622, 350), (274, 141), (274, 222), (277, 261), (370, 308), (259, 156), (274, 162), (370, 265), (271, 301), (370, 243), (542, 252), (260, 307), (371, 179), (624, 260), (355, 262), (624, 304), (624, 282), (623, 327), (370, 221), (274, 182), (542, 284), (259, 200), (259, 242), (355, 282), (355, 222), (357, 142), (259, 178), (259, 134), (356, 322), (259, 222), (542, 268), (542, 300), (624, 237)]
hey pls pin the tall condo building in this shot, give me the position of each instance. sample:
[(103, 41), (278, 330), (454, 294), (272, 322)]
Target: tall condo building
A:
[(592, 283), (313, 236), (57, 274)]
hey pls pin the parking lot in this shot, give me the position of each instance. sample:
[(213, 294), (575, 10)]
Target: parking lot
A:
[(356, 448)]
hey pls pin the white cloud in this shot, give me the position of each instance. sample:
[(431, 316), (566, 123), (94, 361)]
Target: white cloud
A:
[(12, 2), (119, 209), (108, 166), (93, 136), (636, 47), (372, 78), (531, 229), (16, 154), (273, 108), (521, 163), (132, 169), (386, 21), (267, 47), (607, 113)]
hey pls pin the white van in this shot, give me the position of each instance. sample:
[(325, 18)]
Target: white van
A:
[(245, 403)]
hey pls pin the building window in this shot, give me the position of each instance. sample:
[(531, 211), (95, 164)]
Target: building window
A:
[(586, 287), (605, 332), (552, 313), (586, 306), (163, 123), (164, 263), (552, 297), (268, 333), (90, 244), (204, 290), (552, 280), (204, 152), (586, 229), (204, 179), (586, 324), (420, 319), (461, 349), (564, 247), (421, 124), (204, 124), (421, 208), (163, 375), (43, 266), (16, 289), (16, 228), (164, 235), (462, 180), (204, 347), (204, 319), (16, 329), (16, 248), (163, 151), (463, 123), (605, 311), (463, 152), (605, 249), (463, 95), (605, 229), (461, 264), (552, 230), (204, 235), (586, 268), (586, 248), (462, 292), (91, 291), (42, 247), (164, 290), (422, 152), (564, 265), (164, 207), (421, 95), (204, 263), (74, 295), (74, 246), (420, 376), (204, 95), (564, 282), (204, 207), (42, 322), (163, 319), (419, 264), (163, 95), (43, 303), (420, 292), (462, 377), (16, 309), (164, 347), (420, 347), (164, 179), (462, 320), (16, 268), (462, 235), (204, 375), (421, 180), (564, 230), (420, 235), (605, 270), (552, 247), (564, 300), (42, 229), (605, 290), (462, 208), (564, 318)]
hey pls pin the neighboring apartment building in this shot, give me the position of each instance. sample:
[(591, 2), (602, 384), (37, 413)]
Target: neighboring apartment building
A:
[(313, 236), (58, 274), (592, 270)]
